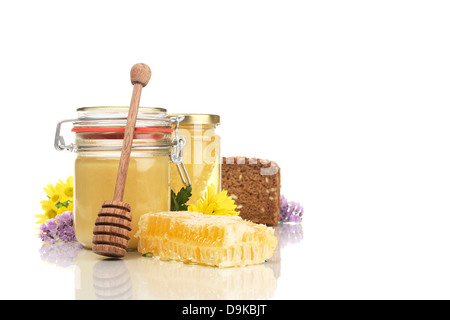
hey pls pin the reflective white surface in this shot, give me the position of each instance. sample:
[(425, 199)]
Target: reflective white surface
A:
[(137, 277), (345, 254)]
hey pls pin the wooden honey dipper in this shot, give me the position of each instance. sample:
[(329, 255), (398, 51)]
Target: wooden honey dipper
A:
[(112, 229)]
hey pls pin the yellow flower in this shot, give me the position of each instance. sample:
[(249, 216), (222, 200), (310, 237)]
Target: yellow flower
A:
[(68, 208), (50, 211), (52, 193), (42, 218), (60, 199), (65, 190), (216, 204)]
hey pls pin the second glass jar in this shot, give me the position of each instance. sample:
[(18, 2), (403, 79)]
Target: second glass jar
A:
[(201, 154)]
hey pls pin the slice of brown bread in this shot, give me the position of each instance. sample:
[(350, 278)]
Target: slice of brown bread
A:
[(254, 184)]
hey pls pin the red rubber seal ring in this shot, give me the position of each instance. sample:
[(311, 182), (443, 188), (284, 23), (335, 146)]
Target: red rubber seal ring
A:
[(139, 129)]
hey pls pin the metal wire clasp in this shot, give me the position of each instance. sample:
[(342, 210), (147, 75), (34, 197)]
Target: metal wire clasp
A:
[(59, 142), (176, 155)]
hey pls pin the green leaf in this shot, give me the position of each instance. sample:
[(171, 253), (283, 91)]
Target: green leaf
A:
[(178, 201), (174, 206), (60, 204), (148, 255)]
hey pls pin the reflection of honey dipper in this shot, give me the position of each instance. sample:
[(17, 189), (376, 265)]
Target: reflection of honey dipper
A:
[(111, 280), (112, 229)]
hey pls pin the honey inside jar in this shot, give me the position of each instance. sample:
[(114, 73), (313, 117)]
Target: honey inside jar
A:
[(147, 189), (201, 154)]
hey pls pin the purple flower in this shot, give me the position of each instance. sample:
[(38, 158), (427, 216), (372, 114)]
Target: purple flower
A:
[(58, 229), (290, 211)]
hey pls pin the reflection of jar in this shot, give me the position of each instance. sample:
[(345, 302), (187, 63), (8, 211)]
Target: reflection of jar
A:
[(201, 154), (99, 135)]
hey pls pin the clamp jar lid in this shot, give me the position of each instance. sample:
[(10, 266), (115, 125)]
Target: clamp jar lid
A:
[(118, 116), (102, 128)]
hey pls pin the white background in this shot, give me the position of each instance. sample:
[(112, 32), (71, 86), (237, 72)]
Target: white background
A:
[(351, 98)]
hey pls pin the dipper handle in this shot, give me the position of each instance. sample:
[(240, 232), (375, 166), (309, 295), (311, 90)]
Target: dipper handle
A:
[(113, 225), (140, 75)]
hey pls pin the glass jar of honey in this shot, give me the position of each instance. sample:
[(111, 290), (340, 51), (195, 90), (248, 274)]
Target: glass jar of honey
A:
[(201, 154), (99, 133)]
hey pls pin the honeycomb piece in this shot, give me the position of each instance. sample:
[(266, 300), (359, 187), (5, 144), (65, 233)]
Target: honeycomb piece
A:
[(192, 237)]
